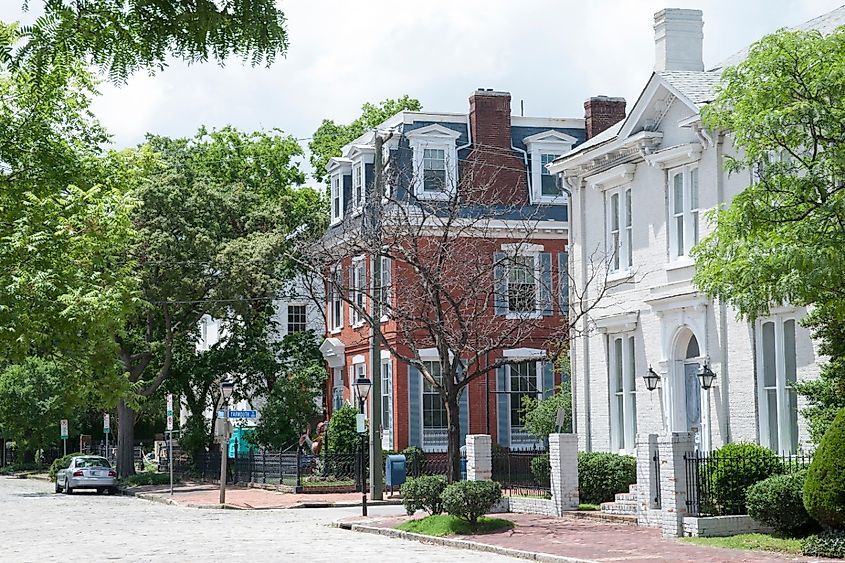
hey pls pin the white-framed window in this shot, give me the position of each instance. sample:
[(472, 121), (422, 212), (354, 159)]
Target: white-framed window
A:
[(358, 370), (620, 229), (777, 372), (358, 288), (337, 198), (337, 388), (434, 427), (387, 404), (385, 289), (623, 392), (524, 380), (435, 161), (549, 187), (684, 210), (543, 148), (522, 279), (358, 186), (336, 299), (297, 318)]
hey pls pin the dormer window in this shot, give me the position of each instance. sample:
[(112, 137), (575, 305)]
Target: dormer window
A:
[(543, 148), (338, 169), (358, 186), (435, 161), (337, 198)]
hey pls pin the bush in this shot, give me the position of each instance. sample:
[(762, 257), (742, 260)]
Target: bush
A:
[(778, 502), (541, 469), (601, 475), (470, 500), (60, 463), (19, 467), (147, 478), (423, 493), (824, 488), (414, 458), (343, 438), (830, 543), (733, 469)]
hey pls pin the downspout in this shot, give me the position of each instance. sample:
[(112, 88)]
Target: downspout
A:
[(585, 360), (723, 309)]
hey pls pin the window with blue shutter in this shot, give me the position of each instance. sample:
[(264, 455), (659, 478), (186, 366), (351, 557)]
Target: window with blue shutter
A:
[(414, 407), (546, 283), (548, 379), (463, 407), (563, 282), (503, 408), (500, 298)]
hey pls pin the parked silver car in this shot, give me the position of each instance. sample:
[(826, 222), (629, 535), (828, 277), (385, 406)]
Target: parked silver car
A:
[(87, 472)]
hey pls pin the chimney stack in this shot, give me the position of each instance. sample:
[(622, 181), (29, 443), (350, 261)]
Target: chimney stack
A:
[(601, 112), (678, 39), (490, 118)]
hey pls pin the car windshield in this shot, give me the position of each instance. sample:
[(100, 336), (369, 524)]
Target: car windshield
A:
[(92, 462)]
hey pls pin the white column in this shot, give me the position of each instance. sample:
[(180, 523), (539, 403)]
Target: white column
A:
[(673, 480), (563, 454), (479, 457)]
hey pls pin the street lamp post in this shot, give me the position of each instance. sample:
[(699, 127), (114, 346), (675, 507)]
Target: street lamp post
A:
[(707, 377), (362, 387), (226, 388)]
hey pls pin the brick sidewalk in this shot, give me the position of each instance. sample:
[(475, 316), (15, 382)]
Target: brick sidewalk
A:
[(596, 540), (208, 495)]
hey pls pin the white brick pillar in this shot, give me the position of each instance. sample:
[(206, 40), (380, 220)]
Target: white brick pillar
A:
[(479, 457), (673, 480), (648, 480), (563, 453)]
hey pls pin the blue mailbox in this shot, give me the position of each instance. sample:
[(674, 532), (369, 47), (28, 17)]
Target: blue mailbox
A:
[(394, 470)]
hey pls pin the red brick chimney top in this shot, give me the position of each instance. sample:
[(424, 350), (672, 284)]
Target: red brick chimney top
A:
[(601, 112)]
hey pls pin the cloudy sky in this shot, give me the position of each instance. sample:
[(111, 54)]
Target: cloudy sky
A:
[(552, 54)]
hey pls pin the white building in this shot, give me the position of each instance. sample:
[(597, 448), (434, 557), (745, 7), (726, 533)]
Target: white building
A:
[(640, 191)]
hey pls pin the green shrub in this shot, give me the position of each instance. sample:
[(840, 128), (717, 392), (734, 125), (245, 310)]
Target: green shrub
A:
[(830, 543), (414, 458), (824, 488), (146, 478), (735, 467), (470, 500), (541, 469), (19, 467), (60, 463), (601, 475), (778, 502), (423, 493), (343, 437)]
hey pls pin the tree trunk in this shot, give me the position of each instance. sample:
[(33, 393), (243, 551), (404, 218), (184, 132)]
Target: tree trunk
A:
[(125, 439), (453, 421)]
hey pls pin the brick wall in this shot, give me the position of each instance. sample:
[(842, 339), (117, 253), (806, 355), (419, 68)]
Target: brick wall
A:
[(601, 112)]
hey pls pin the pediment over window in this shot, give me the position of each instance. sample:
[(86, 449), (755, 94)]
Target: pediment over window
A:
[(675, 156), (436, 133), (613, 324), (333, 352), (555, 137), (338, 164), (361, 152), (616, 176)]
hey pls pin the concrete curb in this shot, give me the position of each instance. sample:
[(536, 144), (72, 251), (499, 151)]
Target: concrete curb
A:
[(462, 544)]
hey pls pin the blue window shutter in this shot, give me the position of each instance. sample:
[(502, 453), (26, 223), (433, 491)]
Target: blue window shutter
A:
[(503, 408), (463, 407), (548, 379), (414, 407), (546, 283), (563, 284), (500, 298)]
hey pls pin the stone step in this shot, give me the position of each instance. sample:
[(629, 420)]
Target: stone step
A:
[(626, 497), (627, 508), (632, 488)]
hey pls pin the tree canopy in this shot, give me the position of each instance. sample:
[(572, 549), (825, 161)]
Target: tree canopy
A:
[(330, 137)]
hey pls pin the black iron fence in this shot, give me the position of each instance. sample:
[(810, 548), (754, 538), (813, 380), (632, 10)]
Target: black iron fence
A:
[(523, 473), (655, 460), (717, 482), (427, 464)]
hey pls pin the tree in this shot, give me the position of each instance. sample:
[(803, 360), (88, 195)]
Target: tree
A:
[(448, 277), (780, 240), (540, 415), (330, 137), (190, 263)]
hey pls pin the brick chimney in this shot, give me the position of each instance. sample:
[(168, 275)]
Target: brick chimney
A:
[(678, 39), (601, 112), (490, 118)]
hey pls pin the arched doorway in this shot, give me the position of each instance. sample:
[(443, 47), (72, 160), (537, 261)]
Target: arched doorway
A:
[(685, 403), (692, 389)]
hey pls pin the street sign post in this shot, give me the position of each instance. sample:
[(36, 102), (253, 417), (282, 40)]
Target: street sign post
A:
[(170, 438), (106, 431), (64, 434)]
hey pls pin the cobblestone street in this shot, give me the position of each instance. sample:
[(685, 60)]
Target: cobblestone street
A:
[(38, 525)]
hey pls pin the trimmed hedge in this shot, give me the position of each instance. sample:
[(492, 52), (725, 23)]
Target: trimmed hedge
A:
[(469, 500), (601, 475), (824, 488), (541, 469), (778, 502), (826, 544), (733, 468), (60, 463), (423, 493)]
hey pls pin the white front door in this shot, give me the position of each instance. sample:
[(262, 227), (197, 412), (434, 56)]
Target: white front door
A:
[(693, 400)]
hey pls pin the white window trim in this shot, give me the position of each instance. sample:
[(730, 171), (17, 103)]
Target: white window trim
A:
[(434, 358), (691, 216), (624, 252), (525, 250), (538, 385), (336, 327), (434, 137), (356, 207), (386, 280), (336, 193), (629, 393), (337, 168), (353, 322), (387, 429), (784, 444), (547, 142), (287, 313)]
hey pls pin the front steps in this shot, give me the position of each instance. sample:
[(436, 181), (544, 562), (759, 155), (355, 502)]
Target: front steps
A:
[(625, 503)]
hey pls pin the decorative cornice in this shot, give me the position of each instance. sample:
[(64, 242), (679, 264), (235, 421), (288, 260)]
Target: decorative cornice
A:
[(624, 322), (616, 176), (675, 156)]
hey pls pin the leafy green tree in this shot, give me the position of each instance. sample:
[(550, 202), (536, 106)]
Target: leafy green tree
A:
[(540, 414), (343, 439), (781, 239), (330, 137)]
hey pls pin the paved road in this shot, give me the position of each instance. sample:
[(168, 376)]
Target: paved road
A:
[(38, 525)]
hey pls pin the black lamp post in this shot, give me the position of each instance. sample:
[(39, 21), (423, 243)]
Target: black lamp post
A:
[(362, 387), (651, 379), (706, 376)]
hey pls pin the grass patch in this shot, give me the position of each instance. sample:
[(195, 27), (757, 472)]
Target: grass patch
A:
[(440, 525), (588, 506), (759, 542)]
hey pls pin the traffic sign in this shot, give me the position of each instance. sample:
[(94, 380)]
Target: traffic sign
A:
[(169, 412), (64, 429), (106, 424), (243, 414)]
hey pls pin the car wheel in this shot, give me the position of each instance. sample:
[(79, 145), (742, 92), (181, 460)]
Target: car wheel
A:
[(68, 489), (58, 487), (111, 491), (100, 490)]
